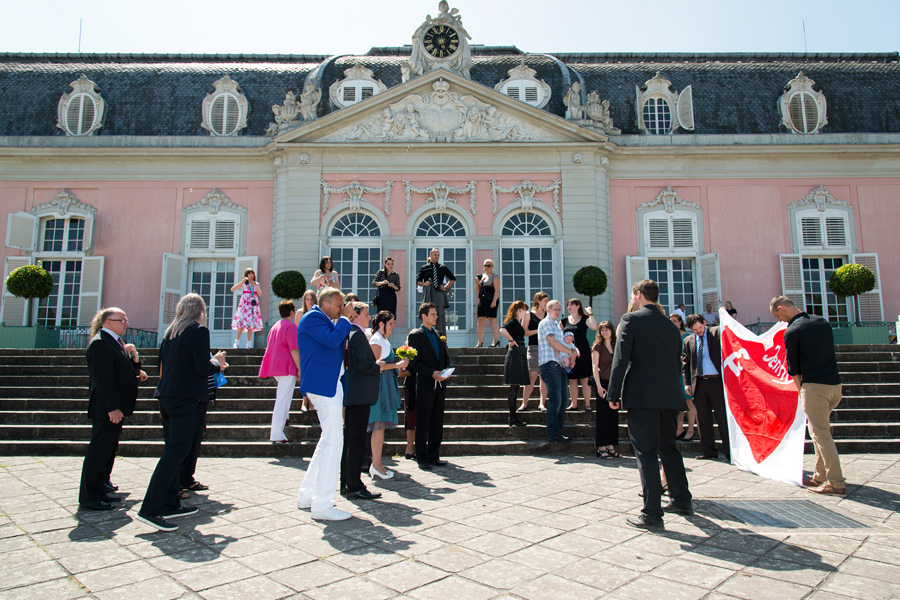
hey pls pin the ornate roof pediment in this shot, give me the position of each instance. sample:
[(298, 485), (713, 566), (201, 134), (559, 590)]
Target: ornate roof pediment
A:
[(442, 107)]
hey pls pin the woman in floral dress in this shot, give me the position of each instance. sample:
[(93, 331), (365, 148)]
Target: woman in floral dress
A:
[(248, 317)]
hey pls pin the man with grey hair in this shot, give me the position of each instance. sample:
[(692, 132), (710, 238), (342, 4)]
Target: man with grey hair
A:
[(550, 347), (436, 280), (809, 346)]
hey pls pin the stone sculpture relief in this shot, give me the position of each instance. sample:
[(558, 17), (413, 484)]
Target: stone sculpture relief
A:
[(598, 112), (572, 100), (669, 199), (526, 191), (355, 191), (63, 201), (309, 101), (440, 194), (213, 201)]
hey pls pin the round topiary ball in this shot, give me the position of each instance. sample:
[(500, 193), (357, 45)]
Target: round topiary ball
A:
[(30, 281), (851, 280), (590, 281), (289, 285)]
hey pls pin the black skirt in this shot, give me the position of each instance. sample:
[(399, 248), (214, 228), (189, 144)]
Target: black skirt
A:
[(515, 369)]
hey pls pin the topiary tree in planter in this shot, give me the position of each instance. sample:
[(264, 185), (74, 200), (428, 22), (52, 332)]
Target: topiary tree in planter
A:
[(851, 280), (289, 285), (29, 281), (590, 281)]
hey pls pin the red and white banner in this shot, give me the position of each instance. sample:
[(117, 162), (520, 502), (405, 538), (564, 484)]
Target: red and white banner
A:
[(766, 421)]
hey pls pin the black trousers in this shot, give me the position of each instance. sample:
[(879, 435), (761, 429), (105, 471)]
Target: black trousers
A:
[(356, 420), (190, 463), (606, 428), (652, 433), (100, 455), (179, 417), (709, 398), (429, 419)]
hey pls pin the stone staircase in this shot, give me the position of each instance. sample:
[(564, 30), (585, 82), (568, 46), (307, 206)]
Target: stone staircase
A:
[(43, 401)]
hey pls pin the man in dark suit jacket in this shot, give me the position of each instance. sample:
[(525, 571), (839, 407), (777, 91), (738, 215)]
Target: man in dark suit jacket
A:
[(431, 278), (703, 380), (431, 388), (362, 376), (645, 376), (114, 369)]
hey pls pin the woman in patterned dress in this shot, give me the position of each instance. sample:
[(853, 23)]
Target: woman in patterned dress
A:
[(326, 276), (248, 317), (515, 369)]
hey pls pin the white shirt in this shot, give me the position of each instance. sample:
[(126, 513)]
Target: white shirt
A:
[(378, 339), (678, 311)]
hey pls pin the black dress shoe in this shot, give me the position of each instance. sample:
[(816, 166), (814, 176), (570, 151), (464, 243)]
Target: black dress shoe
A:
[(426, 466), (409, 456), (343, 491), (109, 487), (364, 494), (679, 509), (96, 505), (108, 498), (561, 440), (707, 457), (439, 463), (645, 522)]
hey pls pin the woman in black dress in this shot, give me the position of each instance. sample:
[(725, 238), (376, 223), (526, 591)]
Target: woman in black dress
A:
[(578, 322), (607, 423), (487, 290), (515, 369), (530, 323), (387, 280)]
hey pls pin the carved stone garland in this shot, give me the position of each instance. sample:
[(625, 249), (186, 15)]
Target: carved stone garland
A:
[(669, 198), (820, 197), (526, 191), (63, 202), (355, 191), (440, 194), (214, 200)]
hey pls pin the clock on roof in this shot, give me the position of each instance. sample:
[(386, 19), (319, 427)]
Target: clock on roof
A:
[(441, 43)]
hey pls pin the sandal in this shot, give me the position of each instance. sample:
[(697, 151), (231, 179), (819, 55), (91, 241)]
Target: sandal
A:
[(183, 495), (605, 454), (195, 486)]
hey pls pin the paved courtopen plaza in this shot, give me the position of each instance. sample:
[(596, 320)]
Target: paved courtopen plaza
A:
[(530, 527)]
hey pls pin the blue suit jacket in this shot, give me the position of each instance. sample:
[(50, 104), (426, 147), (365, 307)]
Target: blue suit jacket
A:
[(321, 345)]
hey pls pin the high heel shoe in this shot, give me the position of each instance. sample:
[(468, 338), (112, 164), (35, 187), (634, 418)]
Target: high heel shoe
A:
[(478, 345), (388, 473), (495, 344)]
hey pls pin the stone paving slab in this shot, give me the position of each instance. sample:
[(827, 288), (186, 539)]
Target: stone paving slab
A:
[(511, 527)]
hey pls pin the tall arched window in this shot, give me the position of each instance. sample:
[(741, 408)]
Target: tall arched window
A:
[(448, 234), (526, 257), (440, 224), (355, 249)]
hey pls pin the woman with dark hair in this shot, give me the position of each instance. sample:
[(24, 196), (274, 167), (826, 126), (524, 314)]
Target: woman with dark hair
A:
[(578, 322), (184, 369), (326, 276), (383, 414), (680, 433), (248, 316), (282, 361), (307, 301), (387, 280), (530, 324), (515, 369), (607, 421), (487, 294)]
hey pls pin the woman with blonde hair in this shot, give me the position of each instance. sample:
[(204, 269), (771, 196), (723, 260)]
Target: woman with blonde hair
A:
[(184, 368), (515, 369)]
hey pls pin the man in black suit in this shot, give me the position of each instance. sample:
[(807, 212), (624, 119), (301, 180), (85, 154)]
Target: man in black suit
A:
[(114, 369), (702, 363), (430, 387), (645, 376), (362, 377), (431, 278)]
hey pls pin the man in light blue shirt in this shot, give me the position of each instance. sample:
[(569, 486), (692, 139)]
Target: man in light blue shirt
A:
[(550, 346)]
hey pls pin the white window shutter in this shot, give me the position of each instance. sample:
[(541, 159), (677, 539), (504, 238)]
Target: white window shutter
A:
[(88, 239), (684, 233), (811, 233), (710, 281), (558, 270), (792, 279), (685, 108), (871, 307), (172, 287), (657, 231), (198, 234), (836, 232), (91, 289), (245, 262), (21, 231), (13, 311), (636, 269), (226, 235)]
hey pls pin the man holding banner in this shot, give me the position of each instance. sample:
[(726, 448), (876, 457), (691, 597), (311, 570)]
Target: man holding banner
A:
[(809, 346)]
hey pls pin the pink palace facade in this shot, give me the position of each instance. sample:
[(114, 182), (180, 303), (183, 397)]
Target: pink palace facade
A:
[(135, 179)]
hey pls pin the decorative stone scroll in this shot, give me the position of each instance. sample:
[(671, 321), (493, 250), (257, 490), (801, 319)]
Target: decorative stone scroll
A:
[(668, 199), (820, 197), (598, 113), (440, 116), (63, 202), (355, 191), (214, 200), (526, 191), (440, 194)]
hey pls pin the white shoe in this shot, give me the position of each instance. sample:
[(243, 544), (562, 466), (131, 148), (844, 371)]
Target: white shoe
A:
[(249, 344), (332, 514), (236, 342), (374, 473), (304, 504)]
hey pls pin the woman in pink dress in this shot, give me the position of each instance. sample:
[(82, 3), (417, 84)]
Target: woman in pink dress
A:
[(248, 317), (282, 361)]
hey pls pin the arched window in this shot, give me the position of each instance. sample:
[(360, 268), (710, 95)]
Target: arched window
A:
[(355, 255), (661, 110), (225, 110), (803, 109), (526, 223), (80, 112), (355, 225), (439, 225), (526, 263)]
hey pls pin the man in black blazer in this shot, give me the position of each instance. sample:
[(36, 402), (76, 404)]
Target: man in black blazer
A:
[(431, 388), (114, 369), (362, 375), (645, 376), (431, 278), (703, 380)]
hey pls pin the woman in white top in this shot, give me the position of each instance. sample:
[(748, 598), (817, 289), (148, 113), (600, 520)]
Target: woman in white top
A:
[(326, 276), (383, 413)]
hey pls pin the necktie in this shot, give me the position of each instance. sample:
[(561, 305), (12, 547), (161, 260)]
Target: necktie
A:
[(434, 275), (699, 356), (122, 344)]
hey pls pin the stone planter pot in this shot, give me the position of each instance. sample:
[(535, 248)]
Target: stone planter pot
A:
[(855, 334), (28, 337)]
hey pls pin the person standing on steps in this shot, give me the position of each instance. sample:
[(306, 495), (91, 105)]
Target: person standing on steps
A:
[(436, 280), (550, 346), (487, 295), (530, 323), (248, 316), (383, 413), (515, 368), (282, 361)]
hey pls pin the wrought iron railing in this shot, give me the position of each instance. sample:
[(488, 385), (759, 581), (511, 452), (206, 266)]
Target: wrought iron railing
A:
[(762, 326), (78, 337)]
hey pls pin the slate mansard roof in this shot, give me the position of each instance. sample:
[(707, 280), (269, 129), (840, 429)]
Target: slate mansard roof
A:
[(161, 95)]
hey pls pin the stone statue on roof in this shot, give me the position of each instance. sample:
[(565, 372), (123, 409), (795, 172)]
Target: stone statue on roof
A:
[(572, 100), (441, 43), (309, 101)]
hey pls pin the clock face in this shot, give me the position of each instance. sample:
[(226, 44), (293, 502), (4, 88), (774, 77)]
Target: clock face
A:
[(441, 41)]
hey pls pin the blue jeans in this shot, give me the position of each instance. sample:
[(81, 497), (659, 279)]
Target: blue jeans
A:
[(557, 397)]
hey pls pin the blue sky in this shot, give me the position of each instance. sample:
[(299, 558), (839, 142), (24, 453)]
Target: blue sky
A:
[(354, 26)]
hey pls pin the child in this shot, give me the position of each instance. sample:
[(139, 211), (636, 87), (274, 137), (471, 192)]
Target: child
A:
[(565, 360)]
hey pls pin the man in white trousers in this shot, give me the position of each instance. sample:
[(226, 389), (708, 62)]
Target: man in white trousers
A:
[(320, 337)]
